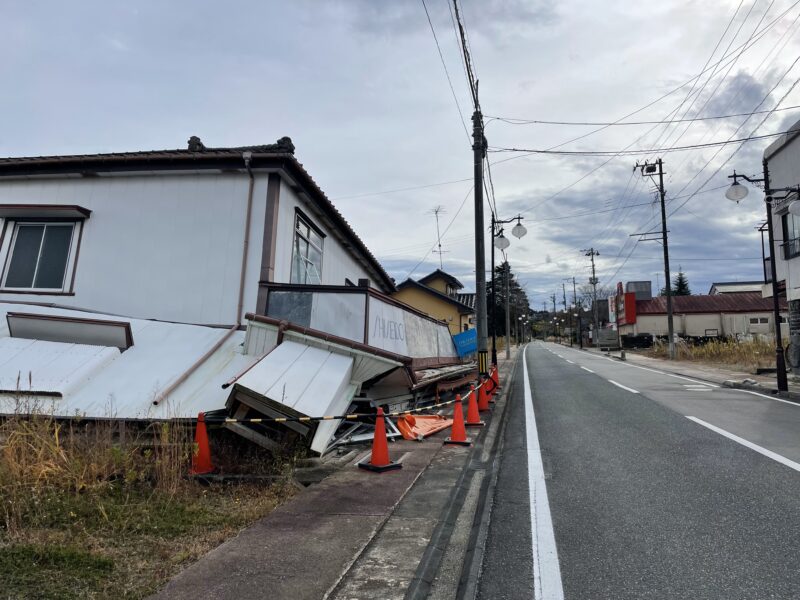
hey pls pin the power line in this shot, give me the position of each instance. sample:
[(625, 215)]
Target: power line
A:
[(405, 189), (467, 62), (623, 152), (745, 45), (446, 72), (512, 121)]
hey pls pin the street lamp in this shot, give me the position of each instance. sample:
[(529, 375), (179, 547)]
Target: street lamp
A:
[(738, 192), (501, 242)]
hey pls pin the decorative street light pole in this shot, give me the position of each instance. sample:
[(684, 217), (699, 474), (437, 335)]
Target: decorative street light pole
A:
[(501, 242), (738, 192)]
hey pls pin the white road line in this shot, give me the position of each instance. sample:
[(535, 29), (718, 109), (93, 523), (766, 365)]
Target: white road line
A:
[(546, 572), (624, 387), (585, 369), (673, 375), (771, 397), (768, 453), (569, 361)]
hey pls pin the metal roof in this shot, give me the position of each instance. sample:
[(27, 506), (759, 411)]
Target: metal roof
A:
[(716, 303)]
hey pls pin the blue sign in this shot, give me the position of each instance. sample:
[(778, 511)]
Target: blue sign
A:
[(466, 342)]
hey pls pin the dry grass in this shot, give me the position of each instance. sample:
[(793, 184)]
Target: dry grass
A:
[(744, 355), (95, 510)]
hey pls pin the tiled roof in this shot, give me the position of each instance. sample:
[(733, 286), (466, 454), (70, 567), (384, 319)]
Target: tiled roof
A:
[(446, 276), (717, 303), (277, 156), (464, 308)]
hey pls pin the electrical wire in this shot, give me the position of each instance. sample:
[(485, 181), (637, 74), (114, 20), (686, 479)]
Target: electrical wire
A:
[(446, 72), (512, 121), (624, 152)]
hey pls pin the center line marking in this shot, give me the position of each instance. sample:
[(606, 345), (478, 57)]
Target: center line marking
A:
[(624, 387), (569, 361), (546, 572), (768, 453), (585, 369)]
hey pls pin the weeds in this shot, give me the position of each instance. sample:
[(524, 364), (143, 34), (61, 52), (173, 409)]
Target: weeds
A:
[(101, 509), (747, 355)]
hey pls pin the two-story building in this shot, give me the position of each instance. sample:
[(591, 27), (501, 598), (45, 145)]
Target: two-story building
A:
[(439, 295)]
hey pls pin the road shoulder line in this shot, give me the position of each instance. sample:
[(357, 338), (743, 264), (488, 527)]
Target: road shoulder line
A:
[(761, 450), (546, 571), (624, 387)]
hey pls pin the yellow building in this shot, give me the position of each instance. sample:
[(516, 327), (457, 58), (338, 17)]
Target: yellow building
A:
[(437, 295)]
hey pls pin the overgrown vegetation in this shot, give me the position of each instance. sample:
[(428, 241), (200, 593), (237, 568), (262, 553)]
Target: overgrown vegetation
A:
[(97, 510), (745, 355)]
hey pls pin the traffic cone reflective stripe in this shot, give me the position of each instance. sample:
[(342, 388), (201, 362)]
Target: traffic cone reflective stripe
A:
[(201, 457), (379, 460), (458, 434), (473, 418)]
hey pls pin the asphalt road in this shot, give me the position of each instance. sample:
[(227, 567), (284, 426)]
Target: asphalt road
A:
[(640, 500)]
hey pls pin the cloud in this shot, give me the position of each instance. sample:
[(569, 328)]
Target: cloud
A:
[(738, 94)]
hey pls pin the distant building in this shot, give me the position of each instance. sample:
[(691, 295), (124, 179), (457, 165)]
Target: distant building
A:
[(718, 315), (437, 295), (735, 287)]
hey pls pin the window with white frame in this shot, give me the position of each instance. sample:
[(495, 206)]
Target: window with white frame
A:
[(306, 253), (39, 256)]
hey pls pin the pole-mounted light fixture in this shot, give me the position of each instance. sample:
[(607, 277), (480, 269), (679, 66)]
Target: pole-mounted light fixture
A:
[(501, 242), (738, 192)]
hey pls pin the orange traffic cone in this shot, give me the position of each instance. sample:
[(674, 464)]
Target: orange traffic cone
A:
[(458, 435), (496, 377), (379, 461), (473, 418), (483, 395), (201, 457)]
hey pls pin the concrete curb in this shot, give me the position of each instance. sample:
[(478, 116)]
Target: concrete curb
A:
[(431, 560), (473, 561)]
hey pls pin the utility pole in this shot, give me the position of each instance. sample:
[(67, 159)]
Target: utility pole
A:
[(591, 253), (506, 277), (578, 308), (564, 298), (478, 153), (651, 170)]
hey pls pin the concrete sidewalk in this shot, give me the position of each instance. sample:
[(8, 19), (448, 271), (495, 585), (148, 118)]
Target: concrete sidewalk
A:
[(354, 535)]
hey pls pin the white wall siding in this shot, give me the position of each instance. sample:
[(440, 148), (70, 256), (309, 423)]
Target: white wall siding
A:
[(166, 247), (337, 263), (783, 172)]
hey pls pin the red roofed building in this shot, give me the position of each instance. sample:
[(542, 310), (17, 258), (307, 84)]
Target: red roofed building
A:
[(719, 315)]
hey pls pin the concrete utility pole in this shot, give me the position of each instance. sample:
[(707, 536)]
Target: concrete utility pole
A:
[(506, 277), (591, 253), (651, 170), (478, 152), (578, 309)]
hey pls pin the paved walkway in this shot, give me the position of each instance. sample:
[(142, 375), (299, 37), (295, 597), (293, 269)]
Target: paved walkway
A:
[(354, 535)]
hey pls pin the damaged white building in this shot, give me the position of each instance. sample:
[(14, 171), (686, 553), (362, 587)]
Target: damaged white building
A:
[(157, 284)]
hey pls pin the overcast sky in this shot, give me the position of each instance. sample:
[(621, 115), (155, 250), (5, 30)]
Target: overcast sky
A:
[(359, 87)]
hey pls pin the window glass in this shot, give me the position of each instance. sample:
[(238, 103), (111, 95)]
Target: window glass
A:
[(24, 256), (53, 257), (39, 255), (763, 320), (306, 254), (753, 320)]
